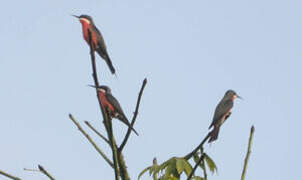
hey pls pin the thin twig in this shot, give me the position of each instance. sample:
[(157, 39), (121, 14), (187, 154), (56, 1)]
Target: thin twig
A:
[(134, 116), (107, 121), (91, 141), (248, 153), (9, 176), (97, 132), (196, 165), (200, 146), (32, 170), (45, 172)]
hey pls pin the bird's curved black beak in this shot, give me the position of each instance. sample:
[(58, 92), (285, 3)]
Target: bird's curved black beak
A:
[(76, 16), (239, 97), (91, 86)]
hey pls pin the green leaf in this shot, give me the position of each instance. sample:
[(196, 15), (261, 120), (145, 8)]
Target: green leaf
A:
[(155, 174), (143, 171), (172, 178), (203, 167), (171, 168), (151, 170), (196, 158), (211, 164), (154, 170), (197, 178), (168, 178), (162, 166), (180, 166), (162, 178), (188, 167)]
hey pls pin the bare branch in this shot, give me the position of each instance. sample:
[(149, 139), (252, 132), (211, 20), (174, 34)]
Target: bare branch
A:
[(108, 125), (9, 176), (107, 121), (45, 172), (90, 140), (200, 146), (195, 167), (32, 170), (97, 132), (134, 116), (123, 167), (248, 153)]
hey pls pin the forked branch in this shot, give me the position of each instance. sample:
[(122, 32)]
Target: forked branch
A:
[(107, 121), (91, 141)]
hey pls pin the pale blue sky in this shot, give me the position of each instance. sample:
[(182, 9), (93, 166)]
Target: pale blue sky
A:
[(190, 51)]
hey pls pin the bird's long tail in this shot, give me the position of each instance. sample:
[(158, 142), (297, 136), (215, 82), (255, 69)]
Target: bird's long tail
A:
[(125, 121), (214, 134), (110, 65), (107, 59)]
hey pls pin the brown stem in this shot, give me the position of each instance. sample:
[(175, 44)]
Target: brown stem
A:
[(107, 120), (45, 172), (123, 167), (9, 176), (196, 165), (155, 165), (134, 116), (200, 146), (248, 153), (108, 125), (97, 132), (91, 141)]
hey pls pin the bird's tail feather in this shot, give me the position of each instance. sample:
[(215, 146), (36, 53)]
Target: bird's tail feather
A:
[(214, 134), (125, 121), (106, 57), (110, 65)]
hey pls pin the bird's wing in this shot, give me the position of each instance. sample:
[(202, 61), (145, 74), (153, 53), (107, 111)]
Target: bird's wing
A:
[(121, 115), (115, 104), (222, 108), (101, 41)]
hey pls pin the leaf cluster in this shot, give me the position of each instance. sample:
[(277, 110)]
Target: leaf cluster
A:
[(173, 168)]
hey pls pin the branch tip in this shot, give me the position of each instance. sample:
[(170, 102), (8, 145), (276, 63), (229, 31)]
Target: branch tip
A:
[(134, 116), (248, 153)]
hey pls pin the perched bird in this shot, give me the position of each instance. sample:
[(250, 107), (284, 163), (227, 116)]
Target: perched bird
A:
[(97, 39), (222, 112), (112, 106)]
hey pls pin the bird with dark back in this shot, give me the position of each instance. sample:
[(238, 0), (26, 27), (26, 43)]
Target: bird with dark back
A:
[(111, 105), (97, 39), (222, 112)]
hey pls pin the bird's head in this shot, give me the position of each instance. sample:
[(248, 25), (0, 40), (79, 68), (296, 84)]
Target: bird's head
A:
[(84, 19), (231, 94), (103, 88)]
